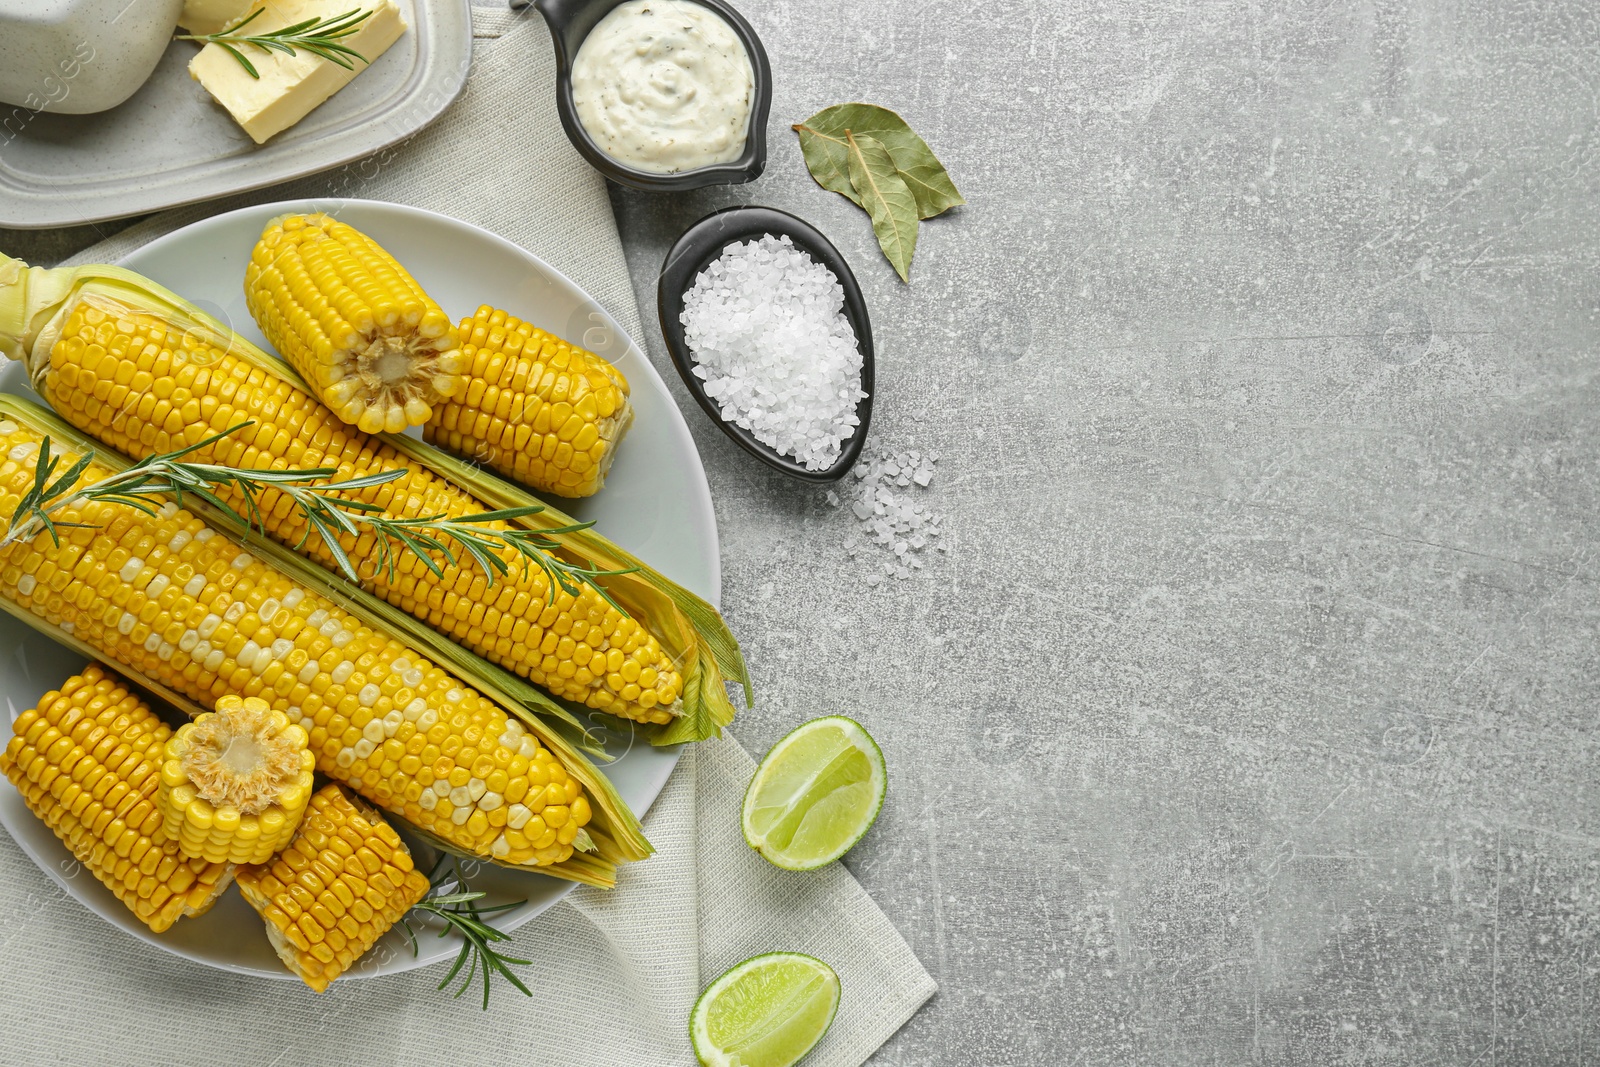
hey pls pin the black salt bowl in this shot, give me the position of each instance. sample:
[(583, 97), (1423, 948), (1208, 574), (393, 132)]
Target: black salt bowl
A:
[(696, 249)]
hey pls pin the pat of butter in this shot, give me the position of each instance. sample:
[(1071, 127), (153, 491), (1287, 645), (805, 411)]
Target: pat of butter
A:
[(291, 86), (213, 16)]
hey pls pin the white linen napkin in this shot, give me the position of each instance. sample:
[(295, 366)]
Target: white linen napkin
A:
[(614, 973)]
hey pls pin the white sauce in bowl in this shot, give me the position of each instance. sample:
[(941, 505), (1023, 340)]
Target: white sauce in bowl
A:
[(664, 86)]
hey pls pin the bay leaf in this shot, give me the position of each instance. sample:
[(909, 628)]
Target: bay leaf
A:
[(887, 199), (828, 159), (919, 168)]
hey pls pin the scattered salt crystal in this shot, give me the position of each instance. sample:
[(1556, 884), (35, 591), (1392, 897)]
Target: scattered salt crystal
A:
[(832, 498), (766, 327), (892, 518)]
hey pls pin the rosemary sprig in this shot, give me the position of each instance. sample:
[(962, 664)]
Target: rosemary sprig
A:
[(319, 36), (326, 510), (427, 535), (462, 913)]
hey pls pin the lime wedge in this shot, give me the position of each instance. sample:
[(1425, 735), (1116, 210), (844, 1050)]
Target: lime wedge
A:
[(765, 1012), (815, 794)]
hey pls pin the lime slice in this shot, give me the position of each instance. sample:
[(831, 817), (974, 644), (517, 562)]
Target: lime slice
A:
[(765, 1012), (815, 794)]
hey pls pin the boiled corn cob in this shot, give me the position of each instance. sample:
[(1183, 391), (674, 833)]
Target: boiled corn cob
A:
[(169, 598), (125, 361), (235, 782), (342, 882), (87, 761), (359, 329), (690, 630), (536, 409)]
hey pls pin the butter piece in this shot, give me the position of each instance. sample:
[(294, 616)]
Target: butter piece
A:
[(213, 16), (291, 86)]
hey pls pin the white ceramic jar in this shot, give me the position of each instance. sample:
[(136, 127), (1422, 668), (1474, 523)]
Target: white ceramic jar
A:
[(75, 57)]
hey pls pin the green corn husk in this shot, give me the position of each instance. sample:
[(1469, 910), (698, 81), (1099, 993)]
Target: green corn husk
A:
[(614, 831), (33, 300)]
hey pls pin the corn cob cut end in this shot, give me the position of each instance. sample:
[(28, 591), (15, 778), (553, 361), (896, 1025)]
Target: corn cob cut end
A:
[(359, 329), (86, 761), (342, 882), (235, 782), (538, 410)]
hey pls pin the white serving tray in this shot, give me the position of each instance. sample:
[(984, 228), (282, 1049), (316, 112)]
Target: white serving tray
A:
[(171, 144)]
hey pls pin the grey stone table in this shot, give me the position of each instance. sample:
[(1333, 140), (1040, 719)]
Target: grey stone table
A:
[(1250, 716)]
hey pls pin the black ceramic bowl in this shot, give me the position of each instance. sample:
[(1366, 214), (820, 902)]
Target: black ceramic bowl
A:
[(570, 22), (704, 242)]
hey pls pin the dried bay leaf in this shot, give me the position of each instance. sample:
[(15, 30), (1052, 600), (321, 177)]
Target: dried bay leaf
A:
[(828, 160), (886, 197), (824, 144)]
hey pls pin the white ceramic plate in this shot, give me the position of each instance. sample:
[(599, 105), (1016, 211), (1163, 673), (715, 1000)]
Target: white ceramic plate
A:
[(171, 144), (656, 503)]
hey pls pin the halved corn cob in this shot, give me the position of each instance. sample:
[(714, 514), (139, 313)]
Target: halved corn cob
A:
[(87, 761), (130, 363), (343, 881), (176, 603), (536, 409), (357, 327), (235, 782)]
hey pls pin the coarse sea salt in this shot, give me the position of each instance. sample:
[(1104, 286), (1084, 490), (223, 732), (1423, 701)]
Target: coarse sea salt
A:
[(894, 521), (767, 331)]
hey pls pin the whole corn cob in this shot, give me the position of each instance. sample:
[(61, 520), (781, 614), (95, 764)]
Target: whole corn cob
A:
[(359, 329), (536, 409), (124, 360), (168, 598), (342, 882), (235, 782), (87, 761)]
